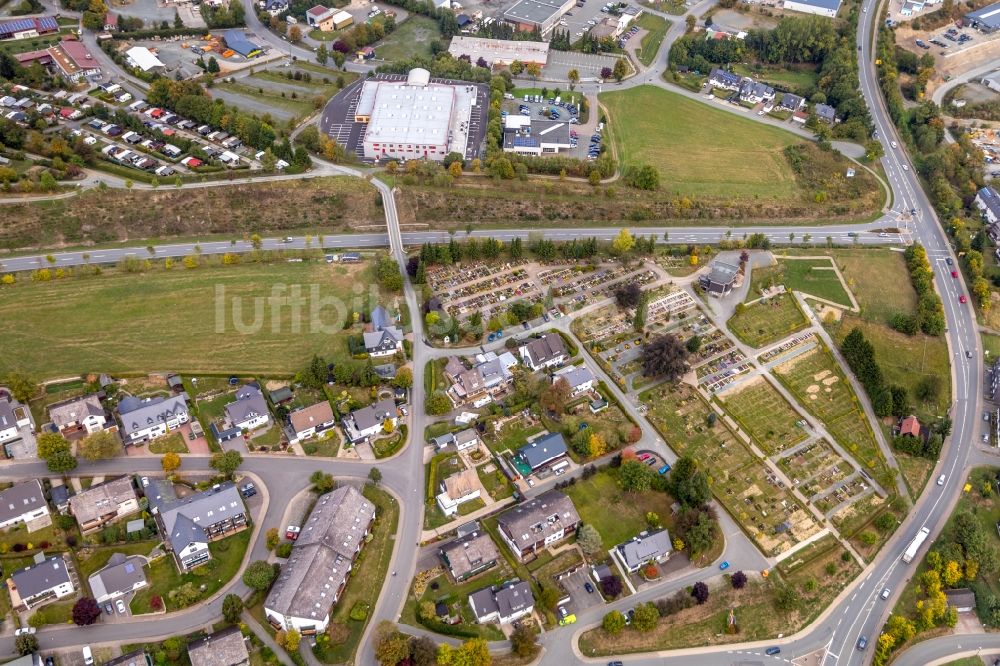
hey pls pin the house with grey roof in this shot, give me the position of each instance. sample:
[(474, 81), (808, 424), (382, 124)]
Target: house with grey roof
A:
[(223, 648), (106, 502), (45, 580), (143, 420), (790, 102), (720, 278), (189, 523), (724, 80), (78, 416), (22, 502), (645, 548), (369, 421), (825, 113), (963, 600), (504, 605), (384, 339), (579, 378), (545, 351), (543, 451), (755, 92), (13, 418), (988, 202), (122, 575), (314, 577), (470, 554), (538, 523), (249, 411), (135, 658)]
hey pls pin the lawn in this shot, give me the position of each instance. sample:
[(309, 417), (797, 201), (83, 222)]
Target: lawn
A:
[(764, 414), (328, 445), (767, 320), (800, 79), (495, 483), (434, 375), (512, 437), (618, 516), (867, 272), (410, 39), (57, 612), (174, 442), (650, 44), (370, 571), (456, 595), (99, 557), (820, 386), (815, 277), (680, 137), (163, 576), (52, 328), (298, 107), (755, 612)]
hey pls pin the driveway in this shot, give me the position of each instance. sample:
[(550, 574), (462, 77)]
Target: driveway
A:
[(580, 599), (197, 446)]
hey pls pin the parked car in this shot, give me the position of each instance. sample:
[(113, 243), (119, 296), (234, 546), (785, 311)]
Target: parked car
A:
[(590, 588), (120, 605), (248, 489), (664, 469), (109, 609), (292, 532), (724, 565), (24, 630)]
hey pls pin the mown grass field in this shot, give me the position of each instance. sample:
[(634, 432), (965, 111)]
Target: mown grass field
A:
[(768, 321), (180, 320), (410, 39), (764, 414), (797, 78), (681, 138), (815, 277)]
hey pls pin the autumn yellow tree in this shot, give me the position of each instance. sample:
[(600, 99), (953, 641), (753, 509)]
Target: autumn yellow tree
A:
[(598, 447), (171, 462), (952, 574)]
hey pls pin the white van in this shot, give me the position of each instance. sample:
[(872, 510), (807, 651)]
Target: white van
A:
[(88, 657)]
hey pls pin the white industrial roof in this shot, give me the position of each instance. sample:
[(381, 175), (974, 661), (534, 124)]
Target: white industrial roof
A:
[(143, 58), (499, 50), (407, 114)]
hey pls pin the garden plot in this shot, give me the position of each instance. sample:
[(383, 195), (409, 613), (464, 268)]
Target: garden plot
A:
[(844, 495), (820, 386), (452, 278), (604, 327), (722, 371), (765, 415), (600, 284), (815, 467), (750, 491), (767, 320), (788, 349)]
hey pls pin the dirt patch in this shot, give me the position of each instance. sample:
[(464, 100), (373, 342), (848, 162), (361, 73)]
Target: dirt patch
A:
[(819, 376), (337, 204)]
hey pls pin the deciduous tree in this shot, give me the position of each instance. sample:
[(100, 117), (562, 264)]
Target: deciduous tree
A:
[(85, 611)]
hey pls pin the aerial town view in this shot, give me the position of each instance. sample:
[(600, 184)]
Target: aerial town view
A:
[(499, 332)]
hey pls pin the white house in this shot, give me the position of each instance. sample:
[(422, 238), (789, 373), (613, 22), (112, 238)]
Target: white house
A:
[(312, 420), (46, 579), (22, 502), (85, 413), (458, 489), (579, 378), (646, 548), (544, 352), (143, 420), (369, 421), (987, 201), (504, 605), (122, 575), (250, 409), (466, 439), (13, 417)]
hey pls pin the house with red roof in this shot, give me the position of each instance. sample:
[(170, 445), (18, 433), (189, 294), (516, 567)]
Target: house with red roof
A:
[(910, 426)]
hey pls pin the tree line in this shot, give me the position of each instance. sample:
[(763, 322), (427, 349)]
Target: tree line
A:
[(930, 312)]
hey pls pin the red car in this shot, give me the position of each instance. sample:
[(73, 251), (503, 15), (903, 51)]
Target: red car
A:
[(292, 532), (962, 299), (644, 456), (954, 274)]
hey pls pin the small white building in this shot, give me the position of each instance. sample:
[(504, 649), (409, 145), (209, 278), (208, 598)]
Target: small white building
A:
[(458, 489), (144, 59), (504, 605), (579, 378)]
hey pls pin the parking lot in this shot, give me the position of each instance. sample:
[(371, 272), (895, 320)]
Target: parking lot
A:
[(949, 40), (580, 599), (582, 132)]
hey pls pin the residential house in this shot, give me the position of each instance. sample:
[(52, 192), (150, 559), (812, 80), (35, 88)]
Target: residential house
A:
[(322, 558), (110, 22), (104, 503), (22, 503), (33, 659), (963, 600), (490, 375), (470, 554), (78, 416), (825, 113), (59, 497), (134, 658), (123, 575), (504, 605), (909, 426), (249, 412), (369, 421), (275, 7), (321, 18), (223, 648), (755, 92), (543, 452), (311, 421), (189, 523), (720, 78), (546, 351), (45, 580), (466, 439), (13, 418), (536, 524), (458, 489), (988, 202), (790, 102), (143, 420), (384, 339), (720, 278), (579, 378), (646, 548)]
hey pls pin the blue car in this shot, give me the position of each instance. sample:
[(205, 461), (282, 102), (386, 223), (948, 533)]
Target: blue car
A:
[(724, 565), (664, 469), (771, 651)]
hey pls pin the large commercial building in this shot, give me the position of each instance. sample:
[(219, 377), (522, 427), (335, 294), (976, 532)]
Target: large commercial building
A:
[(986, 19), (819, 7), (526, 136), (499, 52), (415, 118), (26, 28), (542, 15)]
